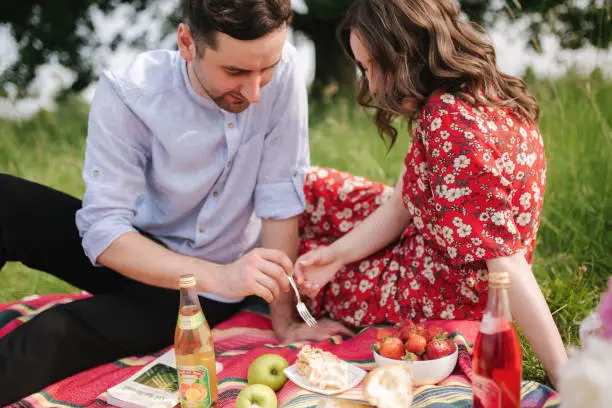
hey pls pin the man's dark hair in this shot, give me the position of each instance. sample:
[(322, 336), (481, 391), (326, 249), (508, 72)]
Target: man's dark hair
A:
[(240, 19)]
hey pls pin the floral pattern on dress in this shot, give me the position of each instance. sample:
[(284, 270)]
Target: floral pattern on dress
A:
[(474, 185)]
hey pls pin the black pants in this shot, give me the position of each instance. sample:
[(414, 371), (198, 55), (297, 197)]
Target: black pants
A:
[(124, 318)]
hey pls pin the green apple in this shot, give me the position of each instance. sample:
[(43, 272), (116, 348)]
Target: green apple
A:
[(267, 369), (256, 396)]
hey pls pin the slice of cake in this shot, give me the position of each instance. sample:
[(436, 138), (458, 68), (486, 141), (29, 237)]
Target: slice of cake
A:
[(321, 368)]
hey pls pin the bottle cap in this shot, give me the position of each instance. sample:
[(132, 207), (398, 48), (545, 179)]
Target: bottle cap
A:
[(187, 281), (499, 279)]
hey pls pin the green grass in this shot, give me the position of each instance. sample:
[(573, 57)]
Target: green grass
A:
[(573, 257)]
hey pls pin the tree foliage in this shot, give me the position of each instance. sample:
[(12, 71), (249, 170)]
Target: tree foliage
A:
[(63, 31)]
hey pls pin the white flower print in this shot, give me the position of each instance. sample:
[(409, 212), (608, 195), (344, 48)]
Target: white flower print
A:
[(365, 285), (428, 274), (480, 252), (447, 146), (452, 252), (335, 288), (499, 240), (522, 132), (484, 217), (469, 258), (435, 124), (449, 179), (454, 194), (448, 312), (525, 200), (509, 122), (428, 311), (448, 98), (511, 227), (421, 185), (464, 230), (447, 232), (477, 241), (492, 126), (347, 285), (372, 273), (418, 222), (444, 135), (523, 219), (345, 226), (359, 314), (498, 218), (394, 266), (469, 135), (457, 222), (461, 162), (414, 285)]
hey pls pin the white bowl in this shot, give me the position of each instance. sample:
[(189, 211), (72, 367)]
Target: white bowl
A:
[(426, 372)]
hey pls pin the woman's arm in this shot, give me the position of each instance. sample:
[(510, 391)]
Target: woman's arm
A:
[(378, 230), (531, 312)]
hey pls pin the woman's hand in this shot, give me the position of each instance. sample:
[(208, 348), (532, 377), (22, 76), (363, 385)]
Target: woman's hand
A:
[(315, 269)]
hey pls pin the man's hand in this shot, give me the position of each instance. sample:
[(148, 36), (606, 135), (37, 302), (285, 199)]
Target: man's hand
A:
[(315, 269), (261, 272), (297, 331)]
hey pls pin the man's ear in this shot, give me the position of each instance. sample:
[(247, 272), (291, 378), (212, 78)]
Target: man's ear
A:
[(185, 42)]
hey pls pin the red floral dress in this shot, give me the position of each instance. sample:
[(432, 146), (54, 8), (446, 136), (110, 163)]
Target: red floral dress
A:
[(474, 185)]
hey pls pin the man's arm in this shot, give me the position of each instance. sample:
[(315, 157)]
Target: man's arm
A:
[(282, 235)]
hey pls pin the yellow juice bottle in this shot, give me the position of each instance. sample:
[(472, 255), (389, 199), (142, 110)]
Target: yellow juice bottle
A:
[(193, 347)]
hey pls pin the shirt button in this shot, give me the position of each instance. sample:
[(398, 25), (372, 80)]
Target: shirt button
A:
[(215, 193), (202, 229), (295, 174), (96, 173), (230, 125), (229, 163)]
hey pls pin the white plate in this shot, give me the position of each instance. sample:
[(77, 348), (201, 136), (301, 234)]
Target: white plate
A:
[(355, 376)]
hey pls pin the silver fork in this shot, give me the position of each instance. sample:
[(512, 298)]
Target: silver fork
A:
[(301, 307)]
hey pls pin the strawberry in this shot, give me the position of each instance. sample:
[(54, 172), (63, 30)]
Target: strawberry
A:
[(384, 332), (439, 347), (415, 344), (408, 328), (432, 332), (410, 357), (392, 347)]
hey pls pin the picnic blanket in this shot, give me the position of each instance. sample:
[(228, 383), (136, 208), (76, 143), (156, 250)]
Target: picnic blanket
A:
[(238, 342)]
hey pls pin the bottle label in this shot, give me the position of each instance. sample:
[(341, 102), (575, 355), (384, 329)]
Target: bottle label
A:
[(194, 386), (190, 322), (490, 324), (487, 392)]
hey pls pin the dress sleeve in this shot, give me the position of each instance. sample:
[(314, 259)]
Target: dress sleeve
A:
[(473, 219)]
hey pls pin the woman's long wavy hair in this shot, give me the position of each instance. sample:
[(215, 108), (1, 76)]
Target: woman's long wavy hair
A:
[(420, 46)]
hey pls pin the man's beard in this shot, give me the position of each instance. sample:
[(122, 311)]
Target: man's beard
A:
[(221, 101)]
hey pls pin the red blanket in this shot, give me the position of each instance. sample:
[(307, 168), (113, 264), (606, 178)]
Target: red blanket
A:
[(238, 342)]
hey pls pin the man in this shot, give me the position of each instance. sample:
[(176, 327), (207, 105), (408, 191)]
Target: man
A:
[(195, 163)]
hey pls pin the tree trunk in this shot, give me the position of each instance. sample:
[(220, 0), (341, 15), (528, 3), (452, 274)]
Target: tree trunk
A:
[(335, 74)]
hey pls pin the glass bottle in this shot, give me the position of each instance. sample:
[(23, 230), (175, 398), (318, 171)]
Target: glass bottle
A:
[(193, 347), (498, 359)]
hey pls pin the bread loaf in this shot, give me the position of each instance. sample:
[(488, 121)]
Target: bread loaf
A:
[(389, 386)]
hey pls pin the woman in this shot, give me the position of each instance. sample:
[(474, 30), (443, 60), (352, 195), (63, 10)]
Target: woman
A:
[(468, 200)]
